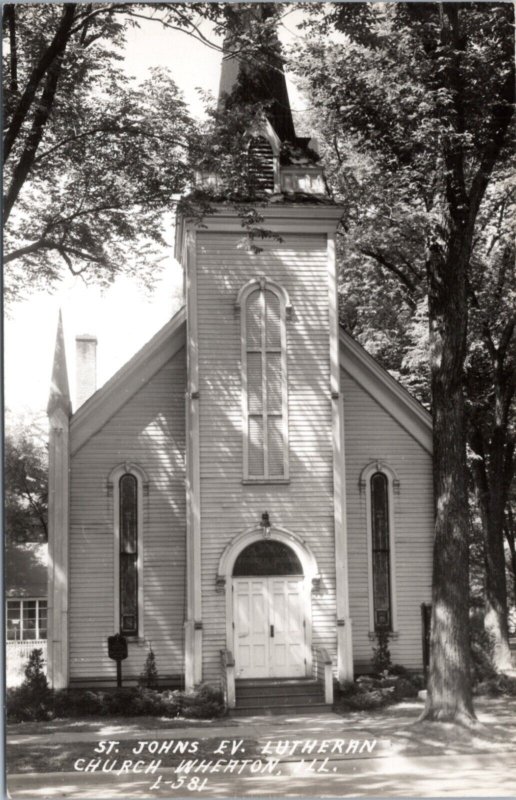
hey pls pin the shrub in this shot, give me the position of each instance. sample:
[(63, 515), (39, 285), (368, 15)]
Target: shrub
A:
[(205, 702), (149, 674), (33, 699), (381, 660)]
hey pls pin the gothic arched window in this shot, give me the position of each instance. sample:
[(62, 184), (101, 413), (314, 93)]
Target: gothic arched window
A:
[(264, 381), (380, 550), (128, 516), (128, 485)]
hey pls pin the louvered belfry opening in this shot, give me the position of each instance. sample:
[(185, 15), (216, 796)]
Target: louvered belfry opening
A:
[(261, 165)]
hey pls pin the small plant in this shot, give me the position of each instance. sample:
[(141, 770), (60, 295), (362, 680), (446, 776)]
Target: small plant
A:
[(381, 660), (149, 674), (35, 678)]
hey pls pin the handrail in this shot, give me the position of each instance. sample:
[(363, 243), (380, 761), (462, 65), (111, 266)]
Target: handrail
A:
[(323, 657), (228, 677)]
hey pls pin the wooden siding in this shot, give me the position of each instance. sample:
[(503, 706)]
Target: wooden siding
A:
[(149, 430), (228, 507), (371, 433)]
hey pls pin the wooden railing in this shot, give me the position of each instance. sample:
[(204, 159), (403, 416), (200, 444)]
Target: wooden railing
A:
[(323, 672), (227, 663), (16, 657)]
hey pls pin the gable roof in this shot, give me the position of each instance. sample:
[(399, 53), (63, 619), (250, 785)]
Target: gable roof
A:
[(354, 359), (386, 390), (101, 406)]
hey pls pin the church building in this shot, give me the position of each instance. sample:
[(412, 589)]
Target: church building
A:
[(251, 494)]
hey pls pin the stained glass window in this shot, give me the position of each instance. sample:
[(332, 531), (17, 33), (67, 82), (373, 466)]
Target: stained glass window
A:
[(381, 551), (128, 489), (267, 557)]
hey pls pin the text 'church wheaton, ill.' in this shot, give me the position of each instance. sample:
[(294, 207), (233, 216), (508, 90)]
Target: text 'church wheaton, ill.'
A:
[(251, 494)]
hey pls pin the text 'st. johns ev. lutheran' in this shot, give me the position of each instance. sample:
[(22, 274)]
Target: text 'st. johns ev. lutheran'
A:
[(251, 494)]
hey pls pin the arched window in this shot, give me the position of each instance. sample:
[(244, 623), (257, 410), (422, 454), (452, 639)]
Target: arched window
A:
[(380, 551), (261, 164), (128, 498), (264, 380), (128, 486), (267, 557)]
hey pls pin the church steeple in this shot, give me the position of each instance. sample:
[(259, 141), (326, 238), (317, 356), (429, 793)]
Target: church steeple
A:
[(59, 388), (257, 76)]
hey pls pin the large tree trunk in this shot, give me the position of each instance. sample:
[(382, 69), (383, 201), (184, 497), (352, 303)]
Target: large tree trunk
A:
[(449, 694)]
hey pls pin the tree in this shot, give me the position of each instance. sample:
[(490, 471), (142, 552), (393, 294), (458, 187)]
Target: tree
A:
[(91, 161), (25, 487), (490, 392), (427, 90)]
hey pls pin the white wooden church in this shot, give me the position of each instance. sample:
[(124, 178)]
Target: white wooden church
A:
[(251, 494)]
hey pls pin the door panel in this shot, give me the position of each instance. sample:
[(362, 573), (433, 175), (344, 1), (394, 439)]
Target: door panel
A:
[(269, 624)]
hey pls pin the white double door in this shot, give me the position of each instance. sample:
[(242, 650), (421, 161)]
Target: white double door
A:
[(270, 627)]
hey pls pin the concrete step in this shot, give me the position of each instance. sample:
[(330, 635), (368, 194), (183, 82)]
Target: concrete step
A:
[(283, 700), (245, 711), (279, 691)]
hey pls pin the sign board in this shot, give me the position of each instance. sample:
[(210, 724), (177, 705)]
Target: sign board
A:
[(117, 647)]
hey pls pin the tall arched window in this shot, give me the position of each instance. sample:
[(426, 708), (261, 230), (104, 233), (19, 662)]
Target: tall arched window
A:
[(128, 485), (264, 380), (381, 486), (128, 497), (380, 550)]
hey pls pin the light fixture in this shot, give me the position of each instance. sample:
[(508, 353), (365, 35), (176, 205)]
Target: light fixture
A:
[(265, 524)]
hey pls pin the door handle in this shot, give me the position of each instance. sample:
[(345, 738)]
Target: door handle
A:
[(272, 631)]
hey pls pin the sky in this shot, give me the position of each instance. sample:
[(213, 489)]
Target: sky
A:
[(123, 317)]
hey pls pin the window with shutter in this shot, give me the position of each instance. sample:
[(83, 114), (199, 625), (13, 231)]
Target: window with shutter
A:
[(264, 382)]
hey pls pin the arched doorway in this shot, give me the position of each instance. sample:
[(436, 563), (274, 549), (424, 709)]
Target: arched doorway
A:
[(271, 611)]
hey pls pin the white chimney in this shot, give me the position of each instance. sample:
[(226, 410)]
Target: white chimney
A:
[(85, 367)]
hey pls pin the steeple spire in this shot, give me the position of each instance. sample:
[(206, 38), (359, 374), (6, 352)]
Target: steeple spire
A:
[(258, 75), (59, 388)]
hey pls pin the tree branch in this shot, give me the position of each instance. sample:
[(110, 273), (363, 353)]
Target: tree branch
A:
[(41, 115), (55, 49)]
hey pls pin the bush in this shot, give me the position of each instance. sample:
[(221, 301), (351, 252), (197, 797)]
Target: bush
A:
[(381, 660), (32, 700), (205, 702), (149, 674)]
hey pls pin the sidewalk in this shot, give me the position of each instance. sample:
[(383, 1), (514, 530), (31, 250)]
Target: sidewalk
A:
[(423, 760)]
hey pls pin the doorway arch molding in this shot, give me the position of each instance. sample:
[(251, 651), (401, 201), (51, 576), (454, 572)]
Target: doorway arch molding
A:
[(311, 576), (256, 534)]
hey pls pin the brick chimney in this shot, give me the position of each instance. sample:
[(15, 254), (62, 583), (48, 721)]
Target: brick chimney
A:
[(86, 367)]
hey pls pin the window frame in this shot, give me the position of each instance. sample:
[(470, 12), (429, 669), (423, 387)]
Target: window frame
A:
[(264, 284), (21, 601), (142, 490), (393, 488)]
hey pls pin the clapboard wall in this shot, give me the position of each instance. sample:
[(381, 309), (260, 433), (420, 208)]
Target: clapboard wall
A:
[(149, 431), (371, 433), (305, 504)]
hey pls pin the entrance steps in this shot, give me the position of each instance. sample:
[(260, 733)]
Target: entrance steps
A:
[(279, 696)]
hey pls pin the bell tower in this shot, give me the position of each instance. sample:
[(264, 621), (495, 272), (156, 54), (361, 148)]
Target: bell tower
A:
[(264, 406)]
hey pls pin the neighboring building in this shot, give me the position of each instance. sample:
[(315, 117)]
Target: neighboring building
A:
[(271, 525), (26, 605)]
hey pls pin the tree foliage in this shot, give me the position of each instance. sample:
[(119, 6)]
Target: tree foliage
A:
[(25, 487), (92, 160), (419, 102)]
